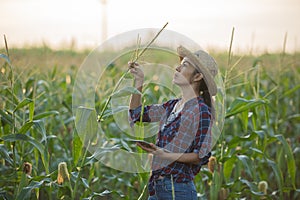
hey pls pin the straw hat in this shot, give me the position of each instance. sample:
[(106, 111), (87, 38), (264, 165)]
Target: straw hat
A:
[(205, 64)]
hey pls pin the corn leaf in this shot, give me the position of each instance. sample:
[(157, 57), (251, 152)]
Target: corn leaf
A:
[(26, 191), (228, 167), (241, 105), (278, 175), (23, 137), (238, 139), (290, 91), (45, 114), (23, 103), (31, 140), (77, 148), (247, 164), (6, 117), (5, 154), (26, 127), (86, 124), (126, 91), (289, 159)]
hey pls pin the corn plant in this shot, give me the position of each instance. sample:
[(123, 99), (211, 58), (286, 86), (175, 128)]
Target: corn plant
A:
[(43, 157)]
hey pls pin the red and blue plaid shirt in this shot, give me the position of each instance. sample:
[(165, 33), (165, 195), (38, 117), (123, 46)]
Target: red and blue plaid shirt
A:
[(188, 131)]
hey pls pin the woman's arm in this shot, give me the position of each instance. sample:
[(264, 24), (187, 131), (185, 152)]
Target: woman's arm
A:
[(135, 100), (151, 113), (190, 158)]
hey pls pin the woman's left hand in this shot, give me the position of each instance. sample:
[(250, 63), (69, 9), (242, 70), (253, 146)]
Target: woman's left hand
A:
[(153, 149)]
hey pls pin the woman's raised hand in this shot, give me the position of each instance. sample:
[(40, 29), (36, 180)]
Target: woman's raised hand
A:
[(136, 71)]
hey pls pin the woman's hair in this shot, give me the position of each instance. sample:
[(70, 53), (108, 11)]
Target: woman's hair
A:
[(204, 92)]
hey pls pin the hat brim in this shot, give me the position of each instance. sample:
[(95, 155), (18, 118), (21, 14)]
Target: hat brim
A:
[(208, 78)]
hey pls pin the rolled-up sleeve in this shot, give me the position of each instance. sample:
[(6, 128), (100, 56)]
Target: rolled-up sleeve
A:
[(151, 113)]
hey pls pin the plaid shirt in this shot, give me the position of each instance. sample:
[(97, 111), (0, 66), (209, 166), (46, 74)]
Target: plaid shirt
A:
[(188, 131)]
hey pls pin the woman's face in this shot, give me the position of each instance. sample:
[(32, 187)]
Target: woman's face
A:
[(184, 73)]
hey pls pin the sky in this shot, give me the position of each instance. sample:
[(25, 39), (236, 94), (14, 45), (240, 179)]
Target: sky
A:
[(259, 25)]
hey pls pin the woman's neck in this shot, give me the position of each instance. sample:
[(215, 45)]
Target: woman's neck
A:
[(188, 93)]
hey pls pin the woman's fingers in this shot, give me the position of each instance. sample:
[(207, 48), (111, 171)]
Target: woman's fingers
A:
[(132, 70), (133, 67), (135, 70), (132, 64), (153, 146), (149, 150)]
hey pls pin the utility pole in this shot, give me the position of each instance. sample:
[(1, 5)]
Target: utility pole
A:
[(104, 20)]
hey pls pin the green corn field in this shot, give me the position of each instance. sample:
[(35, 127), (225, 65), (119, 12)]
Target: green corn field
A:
[(42, 155)]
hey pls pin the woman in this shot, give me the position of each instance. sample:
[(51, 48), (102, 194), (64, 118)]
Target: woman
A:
[(183, 142)]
